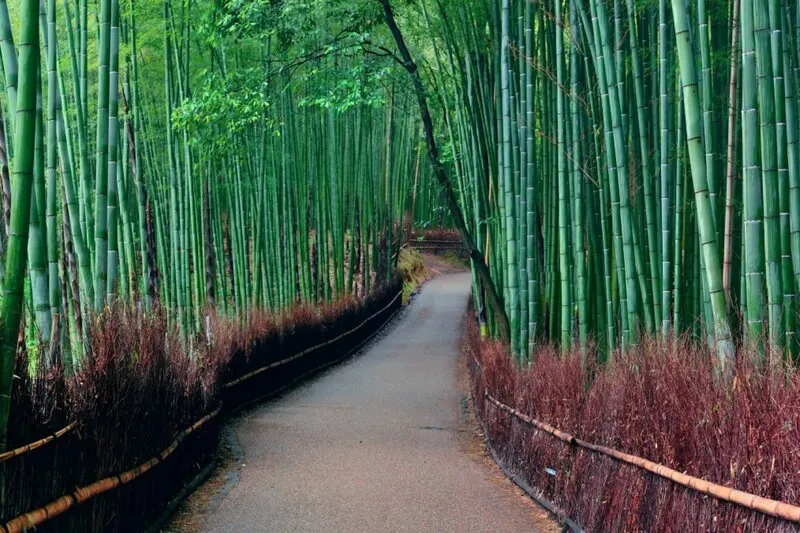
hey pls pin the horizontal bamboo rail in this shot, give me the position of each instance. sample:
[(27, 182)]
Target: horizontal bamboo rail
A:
[(270, 366), (16, 452), (782, 510), (456, 244), (436, 245), (38, 516)]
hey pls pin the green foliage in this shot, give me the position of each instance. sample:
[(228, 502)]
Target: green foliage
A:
[(295, 23), (411, 268), (360, 84), (223, 108), (453, 259)]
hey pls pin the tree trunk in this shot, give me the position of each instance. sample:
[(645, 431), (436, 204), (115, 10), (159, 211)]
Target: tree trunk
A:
[(441, 175)]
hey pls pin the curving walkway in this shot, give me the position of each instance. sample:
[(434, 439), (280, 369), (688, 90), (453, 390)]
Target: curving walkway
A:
[(380, 443)]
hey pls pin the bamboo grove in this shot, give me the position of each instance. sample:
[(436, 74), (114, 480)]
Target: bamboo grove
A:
[(629, 167), (617, 168), (200, 161)]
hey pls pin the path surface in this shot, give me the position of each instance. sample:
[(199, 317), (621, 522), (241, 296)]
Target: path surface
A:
[(381, 443)]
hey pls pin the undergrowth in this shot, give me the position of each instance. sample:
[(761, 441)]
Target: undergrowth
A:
[(662, 401), (141, 385), (453, 259), (435, 234), (411, 268)]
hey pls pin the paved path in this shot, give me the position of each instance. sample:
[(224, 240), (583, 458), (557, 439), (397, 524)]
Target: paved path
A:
[(378, 444)]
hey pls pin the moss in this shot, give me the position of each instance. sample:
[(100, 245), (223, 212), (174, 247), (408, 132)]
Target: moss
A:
[(412, 270), (454, 260)]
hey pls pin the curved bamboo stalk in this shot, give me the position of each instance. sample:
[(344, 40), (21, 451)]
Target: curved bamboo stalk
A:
[(441, 175)]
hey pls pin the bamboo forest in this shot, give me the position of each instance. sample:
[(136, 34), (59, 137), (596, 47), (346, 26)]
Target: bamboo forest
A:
[(589, 210)]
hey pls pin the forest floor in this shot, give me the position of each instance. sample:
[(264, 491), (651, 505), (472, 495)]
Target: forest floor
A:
[(383, 442)]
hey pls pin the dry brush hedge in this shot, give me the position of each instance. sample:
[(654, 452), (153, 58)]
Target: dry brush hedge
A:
[(139, 391), (661, 403)]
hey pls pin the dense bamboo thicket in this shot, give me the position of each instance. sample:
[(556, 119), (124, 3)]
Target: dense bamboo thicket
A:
[(621, 172), (628, 168), (625, 175), (194, 160)]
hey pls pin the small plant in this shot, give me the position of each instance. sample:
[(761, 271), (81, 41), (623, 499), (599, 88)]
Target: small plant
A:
[(412, 269), (454, 260)]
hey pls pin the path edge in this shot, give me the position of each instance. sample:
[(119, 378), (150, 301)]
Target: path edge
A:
[(208, 470)]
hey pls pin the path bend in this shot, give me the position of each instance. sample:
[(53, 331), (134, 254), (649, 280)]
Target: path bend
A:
[(380, 443)]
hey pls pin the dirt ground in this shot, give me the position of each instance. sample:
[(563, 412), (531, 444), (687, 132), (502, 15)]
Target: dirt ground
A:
[(438, 265)]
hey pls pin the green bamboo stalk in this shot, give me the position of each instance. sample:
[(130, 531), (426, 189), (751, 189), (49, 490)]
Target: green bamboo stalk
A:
[(648, 180), (22, 184), (769, 171), (10, 68), (665, 114), (512, 288), (731, 148), (753, 209), (54, 284), (710, 250), (793, 155), (37, 243), (581, 283), (86, 217), (101, 158), (112, 212), (707, 91)]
